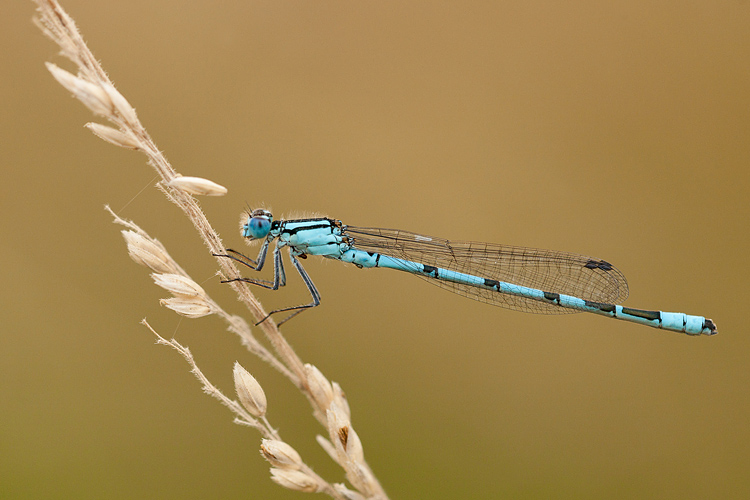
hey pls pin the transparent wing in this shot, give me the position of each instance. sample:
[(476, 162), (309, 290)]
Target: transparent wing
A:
[(550, 271)]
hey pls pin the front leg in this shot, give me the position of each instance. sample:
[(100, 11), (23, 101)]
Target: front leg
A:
[(279, 276), (245, 260)]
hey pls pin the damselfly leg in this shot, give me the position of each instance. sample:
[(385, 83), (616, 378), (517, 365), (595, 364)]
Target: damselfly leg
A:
[(279, 278)]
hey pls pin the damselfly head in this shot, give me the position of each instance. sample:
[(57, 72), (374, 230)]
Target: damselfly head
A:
[(257, 225)]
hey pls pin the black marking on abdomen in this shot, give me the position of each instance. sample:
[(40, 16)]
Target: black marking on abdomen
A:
[(492, 284), (598, 264), (650, 315), (609, 308), (552, 297), (709, 324), (430, 270)]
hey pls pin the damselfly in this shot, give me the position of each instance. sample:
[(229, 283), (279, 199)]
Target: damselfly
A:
[(524, 279)]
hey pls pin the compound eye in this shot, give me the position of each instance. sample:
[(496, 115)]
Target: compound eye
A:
[(256, 227)]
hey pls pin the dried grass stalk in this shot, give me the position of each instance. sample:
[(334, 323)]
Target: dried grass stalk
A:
[(93, 88)]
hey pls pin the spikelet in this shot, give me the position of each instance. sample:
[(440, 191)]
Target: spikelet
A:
[(188, 307), (280, 455), (295, 480), (197, 186), (90, 94), (148, 252), (249, 391), (113, 136)]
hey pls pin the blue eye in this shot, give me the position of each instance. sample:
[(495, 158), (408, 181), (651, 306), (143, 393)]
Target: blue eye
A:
[(257, 227)]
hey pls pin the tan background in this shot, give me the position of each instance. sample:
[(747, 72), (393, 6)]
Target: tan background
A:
[(617, 129)]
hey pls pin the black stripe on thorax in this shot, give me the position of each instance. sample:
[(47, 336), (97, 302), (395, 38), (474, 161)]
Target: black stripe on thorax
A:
[(292, 231)]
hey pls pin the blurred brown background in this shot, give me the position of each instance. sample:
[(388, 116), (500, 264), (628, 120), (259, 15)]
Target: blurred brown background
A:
[(617, 129)]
